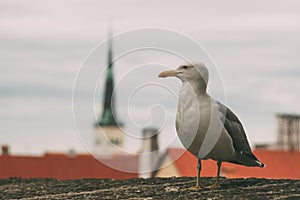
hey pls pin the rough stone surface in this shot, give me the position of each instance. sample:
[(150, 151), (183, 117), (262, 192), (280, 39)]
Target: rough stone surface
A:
[(153, 188)]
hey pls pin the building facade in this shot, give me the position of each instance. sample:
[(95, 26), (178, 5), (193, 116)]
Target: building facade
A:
[(288, 137)]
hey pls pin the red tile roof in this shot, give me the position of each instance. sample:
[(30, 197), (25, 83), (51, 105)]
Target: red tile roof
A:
[(280, 164), (61, 166)]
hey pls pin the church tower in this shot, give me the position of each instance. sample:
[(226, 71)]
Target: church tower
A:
[(108, 138)]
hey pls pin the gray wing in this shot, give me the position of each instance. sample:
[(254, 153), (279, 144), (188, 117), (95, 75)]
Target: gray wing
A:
[(236, 131)]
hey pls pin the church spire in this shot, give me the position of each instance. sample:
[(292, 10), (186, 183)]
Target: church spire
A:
[(108, 117)]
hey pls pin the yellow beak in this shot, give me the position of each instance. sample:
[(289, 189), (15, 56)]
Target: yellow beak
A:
[(167, 73)]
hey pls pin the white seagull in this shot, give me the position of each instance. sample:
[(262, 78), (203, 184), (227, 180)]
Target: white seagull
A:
[(207, 128)]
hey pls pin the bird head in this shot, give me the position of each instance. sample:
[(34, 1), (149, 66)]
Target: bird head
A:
[(191, 72)]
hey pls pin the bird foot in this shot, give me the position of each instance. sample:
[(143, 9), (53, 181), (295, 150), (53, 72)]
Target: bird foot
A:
[(213, 186), (194, 188)]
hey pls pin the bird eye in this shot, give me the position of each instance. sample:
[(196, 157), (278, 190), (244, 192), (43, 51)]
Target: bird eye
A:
[(185, 67)]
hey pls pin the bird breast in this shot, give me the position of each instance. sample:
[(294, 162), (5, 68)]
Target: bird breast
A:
[(199, 125), (190, 118)]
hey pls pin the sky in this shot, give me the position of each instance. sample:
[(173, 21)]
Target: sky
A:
[(48, 48)]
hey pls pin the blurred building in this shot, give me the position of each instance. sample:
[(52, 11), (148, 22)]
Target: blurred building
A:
[(174, 162), (108, 135), (288, 136), (288, 133)]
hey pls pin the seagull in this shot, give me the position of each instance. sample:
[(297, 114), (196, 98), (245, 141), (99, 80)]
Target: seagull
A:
[(206, 127)]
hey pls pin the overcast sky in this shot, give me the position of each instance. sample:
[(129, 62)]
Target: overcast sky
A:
[(255, 46)]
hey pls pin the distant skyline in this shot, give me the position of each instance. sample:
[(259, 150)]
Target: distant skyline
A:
[(255, 46)]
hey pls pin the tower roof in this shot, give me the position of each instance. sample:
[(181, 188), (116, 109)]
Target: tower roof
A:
[(108, 117)]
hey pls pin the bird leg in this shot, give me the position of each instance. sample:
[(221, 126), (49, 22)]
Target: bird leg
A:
[(217, 184), (197, 186)]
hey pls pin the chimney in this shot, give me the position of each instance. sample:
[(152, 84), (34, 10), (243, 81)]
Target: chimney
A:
[(150, 154), (5, 150), (71, 153)]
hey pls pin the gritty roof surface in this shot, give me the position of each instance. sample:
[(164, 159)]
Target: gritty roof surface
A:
[(153, 188)]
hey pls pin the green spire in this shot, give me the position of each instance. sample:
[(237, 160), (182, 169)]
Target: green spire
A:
[(108, 117)]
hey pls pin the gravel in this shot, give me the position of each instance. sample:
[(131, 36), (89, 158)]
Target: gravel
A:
[(152, 188)]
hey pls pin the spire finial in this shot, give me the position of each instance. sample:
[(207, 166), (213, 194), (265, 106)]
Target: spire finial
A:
[(108, 117)]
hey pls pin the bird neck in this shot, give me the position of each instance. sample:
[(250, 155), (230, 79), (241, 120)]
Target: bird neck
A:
[(199, 87)]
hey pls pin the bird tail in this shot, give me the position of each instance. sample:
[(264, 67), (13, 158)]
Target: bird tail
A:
[(249, 160), (262, 165)]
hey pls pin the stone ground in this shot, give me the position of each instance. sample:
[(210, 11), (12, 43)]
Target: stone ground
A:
[(153, 188)]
